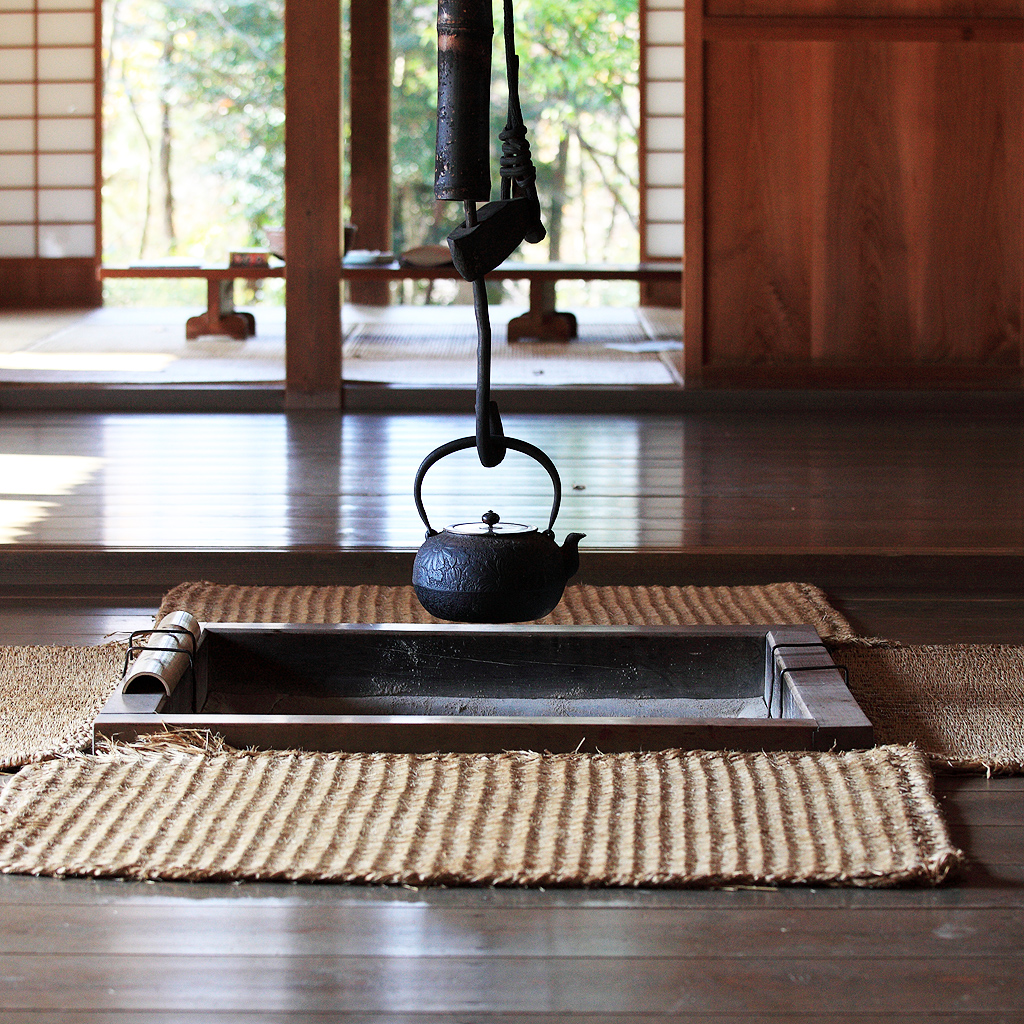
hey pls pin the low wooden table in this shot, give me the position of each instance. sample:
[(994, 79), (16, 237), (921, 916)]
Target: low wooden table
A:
[(542, 320), (220, 317)]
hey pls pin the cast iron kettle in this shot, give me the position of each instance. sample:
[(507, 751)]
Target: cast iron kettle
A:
[(490, 571)]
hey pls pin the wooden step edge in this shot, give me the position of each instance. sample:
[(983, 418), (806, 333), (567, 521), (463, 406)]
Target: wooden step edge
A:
[(33, 570)]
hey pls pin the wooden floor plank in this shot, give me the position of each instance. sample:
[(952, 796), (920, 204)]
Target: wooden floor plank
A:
[(27, 623), (990, 844), (939, 619), (524, 985), (633, 481), (614, 933)]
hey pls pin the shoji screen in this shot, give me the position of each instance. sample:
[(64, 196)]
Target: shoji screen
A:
[(49, 225), (662, 173)]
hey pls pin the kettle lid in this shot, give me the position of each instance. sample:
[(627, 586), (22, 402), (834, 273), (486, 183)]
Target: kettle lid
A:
[(490, 524)]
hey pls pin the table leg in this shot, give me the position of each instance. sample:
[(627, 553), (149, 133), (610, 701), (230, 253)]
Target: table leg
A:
[(543, 322), (220, 316)]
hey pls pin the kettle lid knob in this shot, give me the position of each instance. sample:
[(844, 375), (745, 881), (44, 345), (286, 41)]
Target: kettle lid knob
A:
[(490, 519)]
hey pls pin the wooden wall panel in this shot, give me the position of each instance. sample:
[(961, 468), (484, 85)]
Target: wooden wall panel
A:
[(863, 204), (869, 215), (967, 293), (38, 283), (759, 200)]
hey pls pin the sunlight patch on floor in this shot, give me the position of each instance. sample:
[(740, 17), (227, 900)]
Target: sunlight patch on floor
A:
[(17, 516), (86, 362), (45, 474)]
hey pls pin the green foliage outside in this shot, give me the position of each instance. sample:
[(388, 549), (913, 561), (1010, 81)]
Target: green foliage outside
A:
[(194, 128), (193, 162)]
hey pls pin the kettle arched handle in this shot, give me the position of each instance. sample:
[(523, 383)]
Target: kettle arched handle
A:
[(470, 442)]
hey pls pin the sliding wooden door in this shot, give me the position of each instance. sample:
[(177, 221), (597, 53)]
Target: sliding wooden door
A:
[(854, 205)]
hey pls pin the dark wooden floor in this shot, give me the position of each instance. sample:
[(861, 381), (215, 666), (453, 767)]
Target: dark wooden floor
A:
[(914, 524), (840, 482)]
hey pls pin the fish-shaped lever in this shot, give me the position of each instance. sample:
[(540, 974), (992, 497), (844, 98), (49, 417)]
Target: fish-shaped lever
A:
[(499, 229)]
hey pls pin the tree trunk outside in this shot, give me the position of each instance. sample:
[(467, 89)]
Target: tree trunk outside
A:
[(165, 159), (558, 175)]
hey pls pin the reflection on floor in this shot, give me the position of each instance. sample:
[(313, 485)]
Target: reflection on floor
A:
[(394, 345), (829, 483)]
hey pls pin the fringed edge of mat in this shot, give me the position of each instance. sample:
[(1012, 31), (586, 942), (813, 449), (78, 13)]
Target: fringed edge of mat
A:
[(973, 766), (175, 739), (931, 874)]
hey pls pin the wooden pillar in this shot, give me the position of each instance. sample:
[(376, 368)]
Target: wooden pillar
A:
[(312, 199), (693, 196), (370, 142)]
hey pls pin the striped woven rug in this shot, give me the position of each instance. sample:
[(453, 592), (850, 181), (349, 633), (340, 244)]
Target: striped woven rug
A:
[(668, 818)]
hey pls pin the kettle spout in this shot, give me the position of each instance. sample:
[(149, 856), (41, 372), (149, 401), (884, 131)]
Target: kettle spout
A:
[(571, 554)]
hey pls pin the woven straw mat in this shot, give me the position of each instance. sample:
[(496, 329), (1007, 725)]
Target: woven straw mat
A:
[(774, 604), (669, 818), (963, 704), (49, 697)]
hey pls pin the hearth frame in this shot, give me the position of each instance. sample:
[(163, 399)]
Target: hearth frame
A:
[(807, 700)]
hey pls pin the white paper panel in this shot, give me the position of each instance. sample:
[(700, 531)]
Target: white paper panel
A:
[(67, 204), (66, 169), (15, 5), (665, 27), (17, 29), (17, 204), (65, 5), (67, 64), (665, 133), (18, 241), (665, 62), (74, 134), (16, 100), (665, 241), (662, 98), (674, 5), (59, 240), (19, 169), (65, 29), (664, 204), (17, 65), (665, 169), (66, 98), (15, 135)]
